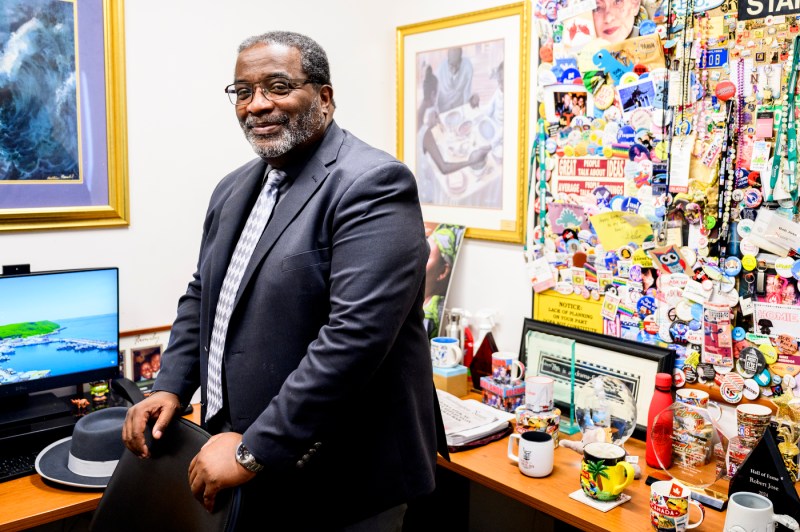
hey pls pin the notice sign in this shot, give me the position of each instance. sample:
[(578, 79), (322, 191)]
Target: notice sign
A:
[(568, 310), (582, 178), (750, 9)]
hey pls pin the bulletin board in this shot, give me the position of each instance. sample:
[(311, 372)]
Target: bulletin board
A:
[(663, 203)]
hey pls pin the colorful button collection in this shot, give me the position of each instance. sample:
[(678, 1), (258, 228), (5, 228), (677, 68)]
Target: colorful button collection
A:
[(666, 180)]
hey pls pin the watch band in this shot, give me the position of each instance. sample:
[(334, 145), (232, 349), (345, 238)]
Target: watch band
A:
[(246, 459)]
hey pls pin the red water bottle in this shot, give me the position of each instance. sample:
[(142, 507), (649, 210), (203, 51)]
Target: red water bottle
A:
[(659, 433)]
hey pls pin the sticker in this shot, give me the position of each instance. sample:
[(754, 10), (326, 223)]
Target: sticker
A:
[(749, 262), (763, 378), (751, 391), (796, 270), (731, 387), (690, 374), (678, 378), (744, 227), (747, 247), (750, 362), (780, 368), (769, 352), (783, 266), (705, 373), (604, 97)]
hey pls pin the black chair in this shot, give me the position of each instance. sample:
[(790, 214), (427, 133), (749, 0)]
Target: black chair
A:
[(154, 494)]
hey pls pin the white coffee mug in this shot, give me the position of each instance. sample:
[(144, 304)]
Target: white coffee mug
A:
[(445, 352), (751, 512), (506, 368), (535, 455)]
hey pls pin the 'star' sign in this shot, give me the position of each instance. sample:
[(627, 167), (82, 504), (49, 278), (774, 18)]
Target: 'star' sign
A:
[(750, 9)]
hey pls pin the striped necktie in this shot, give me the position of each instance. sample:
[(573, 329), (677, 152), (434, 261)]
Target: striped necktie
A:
[(250, 236)]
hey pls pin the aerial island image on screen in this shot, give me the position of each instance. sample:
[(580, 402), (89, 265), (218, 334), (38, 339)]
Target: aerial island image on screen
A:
[(57, 324)]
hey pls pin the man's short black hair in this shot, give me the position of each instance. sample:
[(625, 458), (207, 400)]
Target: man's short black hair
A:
[(313, 58)]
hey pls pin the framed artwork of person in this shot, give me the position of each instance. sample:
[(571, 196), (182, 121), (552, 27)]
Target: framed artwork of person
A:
[(462, 118), (66, 165)]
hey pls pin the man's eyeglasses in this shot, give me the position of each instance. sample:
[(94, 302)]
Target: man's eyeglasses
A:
[(272, 89)]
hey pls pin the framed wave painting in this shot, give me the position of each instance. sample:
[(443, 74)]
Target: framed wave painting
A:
[(63, 146)]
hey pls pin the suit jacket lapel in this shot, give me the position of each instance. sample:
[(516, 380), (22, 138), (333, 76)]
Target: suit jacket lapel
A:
[(232, 218), (305, 184)]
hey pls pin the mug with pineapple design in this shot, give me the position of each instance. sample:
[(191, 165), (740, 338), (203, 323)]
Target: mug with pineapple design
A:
[(604, 471)]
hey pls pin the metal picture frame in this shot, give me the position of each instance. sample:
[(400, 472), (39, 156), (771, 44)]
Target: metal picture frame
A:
[(96, 194), (462, 126), (633, 363)]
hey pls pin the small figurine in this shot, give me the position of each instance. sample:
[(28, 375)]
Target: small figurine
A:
[(81, 405)]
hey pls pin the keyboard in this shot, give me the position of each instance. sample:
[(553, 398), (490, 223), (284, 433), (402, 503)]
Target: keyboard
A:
[(19, 465)]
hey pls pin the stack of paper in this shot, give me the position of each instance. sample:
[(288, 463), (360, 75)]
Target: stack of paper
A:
[(468, 420)]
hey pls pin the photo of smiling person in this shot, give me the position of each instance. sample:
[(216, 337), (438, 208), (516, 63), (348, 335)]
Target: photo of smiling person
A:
[(617, 20)]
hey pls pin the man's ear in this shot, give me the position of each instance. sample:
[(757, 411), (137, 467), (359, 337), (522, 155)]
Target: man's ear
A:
[(326, 99)]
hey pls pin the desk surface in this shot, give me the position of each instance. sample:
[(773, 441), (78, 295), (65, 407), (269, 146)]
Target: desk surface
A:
[(490, 466), (29, 501)]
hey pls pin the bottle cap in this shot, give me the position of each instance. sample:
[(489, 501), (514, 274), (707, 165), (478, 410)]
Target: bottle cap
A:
[(663, 380)]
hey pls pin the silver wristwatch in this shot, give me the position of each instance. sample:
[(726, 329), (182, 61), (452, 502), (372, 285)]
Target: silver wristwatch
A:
[(246, 459)]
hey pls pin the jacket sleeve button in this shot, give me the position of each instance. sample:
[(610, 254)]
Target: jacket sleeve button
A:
[(300, 464)]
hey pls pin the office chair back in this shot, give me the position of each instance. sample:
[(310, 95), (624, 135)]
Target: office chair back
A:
[(154, 493)]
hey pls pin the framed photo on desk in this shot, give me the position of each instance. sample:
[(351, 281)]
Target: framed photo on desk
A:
[(544, 351), (462, 100)]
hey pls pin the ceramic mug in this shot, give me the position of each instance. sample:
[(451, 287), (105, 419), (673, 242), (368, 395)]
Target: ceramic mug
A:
[(535, 455), (604, 471), (751, 512), (669, 507), (506, 368), (445, 352), (699, 399)]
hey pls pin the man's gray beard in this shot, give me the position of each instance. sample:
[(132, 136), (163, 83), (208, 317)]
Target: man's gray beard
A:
[(292, 134)]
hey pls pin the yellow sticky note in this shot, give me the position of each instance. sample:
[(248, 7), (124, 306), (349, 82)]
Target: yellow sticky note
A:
[(616, 229)]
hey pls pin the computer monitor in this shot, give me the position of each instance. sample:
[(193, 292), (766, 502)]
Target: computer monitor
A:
[(57, 329)]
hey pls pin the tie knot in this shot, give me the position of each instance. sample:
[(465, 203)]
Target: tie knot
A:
[(275, 177)]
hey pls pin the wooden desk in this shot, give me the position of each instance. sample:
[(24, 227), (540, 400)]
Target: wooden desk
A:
[(490, 466), (30, 501)]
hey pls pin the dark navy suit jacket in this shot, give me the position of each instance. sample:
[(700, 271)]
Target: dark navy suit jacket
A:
[(327, 369)]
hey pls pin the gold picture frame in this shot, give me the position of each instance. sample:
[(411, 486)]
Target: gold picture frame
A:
[(462, 118), (97, 195)]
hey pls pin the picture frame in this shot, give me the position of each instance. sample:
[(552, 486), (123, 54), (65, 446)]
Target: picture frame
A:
[(140, 346), (633, 363), (555, 108), (86, 184), (462, 118)]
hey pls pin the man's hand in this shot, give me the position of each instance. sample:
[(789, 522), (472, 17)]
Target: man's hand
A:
[(215, 468), (160, 406)]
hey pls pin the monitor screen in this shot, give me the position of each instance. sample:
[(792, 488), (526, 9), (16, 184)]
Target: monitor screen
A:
[(58, 329)]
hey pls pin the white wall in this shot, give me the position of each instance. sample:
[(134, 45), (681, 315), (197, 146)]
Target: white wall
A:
[(183, 137)]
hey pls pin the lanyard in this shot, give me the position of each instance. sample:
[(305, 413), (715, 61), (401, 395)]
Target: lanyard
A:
[(542, 179), (791, 133)]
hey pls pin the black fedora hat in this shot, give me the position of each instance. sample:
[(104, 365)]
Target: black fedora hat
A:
[(87, 458)]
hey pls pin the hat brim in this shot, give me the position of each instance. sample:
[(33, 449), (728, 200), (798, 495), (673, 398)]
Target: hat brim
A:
[(51, 464)]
